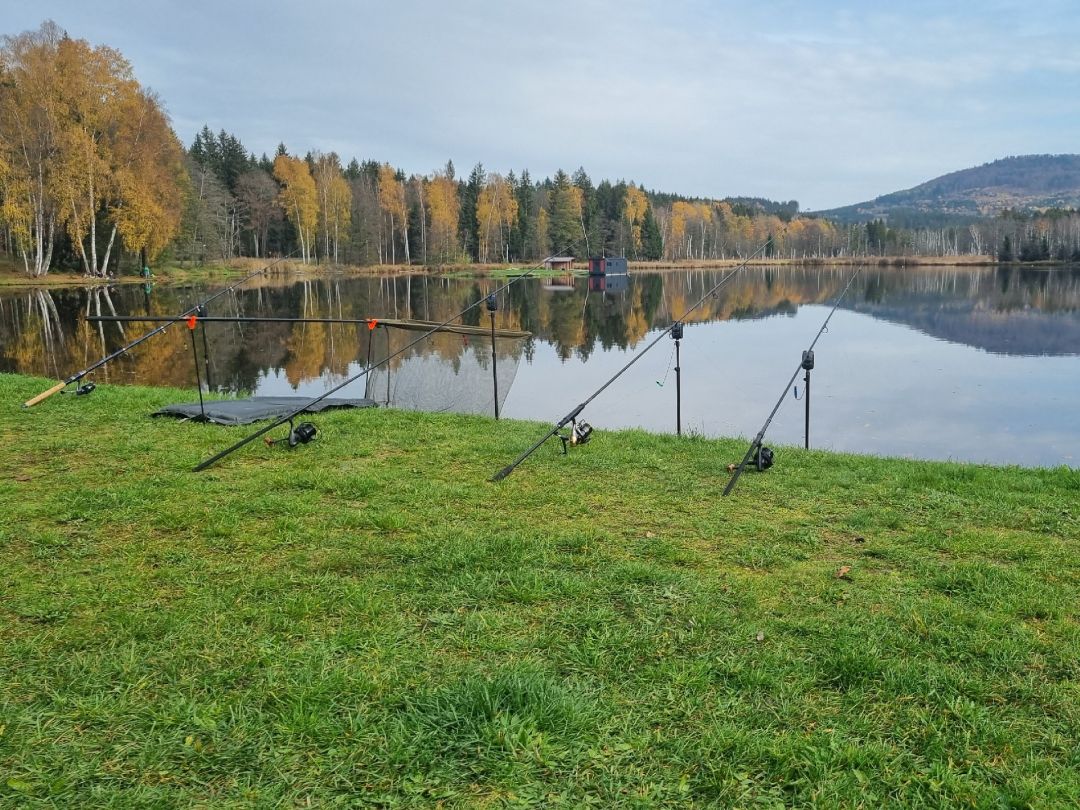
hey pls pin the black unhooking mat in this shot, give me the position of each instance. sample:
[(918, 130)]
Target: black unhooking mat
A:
[(245, 411)]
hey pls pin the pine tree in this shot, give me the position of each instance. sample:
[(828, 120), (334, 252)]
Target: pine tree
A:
[(565, 214), (652, 241), (470, 194)]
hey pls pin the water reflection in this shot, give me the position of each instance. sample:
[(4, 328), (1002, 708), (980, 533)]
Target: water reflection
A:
[(1003, 322)]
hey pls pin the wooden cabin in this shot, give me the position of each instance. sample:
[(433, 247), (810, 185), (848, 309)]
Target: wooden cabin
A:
[(565, 263)]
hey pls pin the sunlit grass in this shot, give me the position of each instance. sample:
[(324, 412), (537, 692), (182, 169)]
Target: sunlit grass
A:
[(367, 619)]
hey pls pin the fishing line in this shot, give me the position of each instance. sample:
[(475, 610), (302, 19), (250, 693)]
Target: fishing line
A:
[(572, 416), (670, 363), (80, 374), (202, 465), (756, 443)]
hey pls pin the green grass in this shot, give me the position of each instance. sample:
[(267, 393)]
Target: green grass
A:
[(366, 620)]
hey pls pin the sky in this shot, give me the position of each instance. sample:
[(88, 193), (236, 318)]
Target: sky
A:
[(828, 102)]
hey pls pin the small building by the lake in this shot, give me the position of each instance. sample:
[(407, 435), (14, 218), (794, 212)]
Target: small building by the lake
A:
[(607, 266), (565, 263)]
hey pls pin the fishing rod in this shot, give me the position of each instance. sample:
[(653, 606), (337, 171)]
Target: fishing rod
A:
[(370, 322), (808, 357), (192, 310), (208, 462), (572, 416)]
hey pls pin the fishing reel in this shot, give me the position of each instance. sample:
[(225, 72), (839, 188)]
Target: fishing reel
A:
[(300, 434), (580, 433), (83, 389), (763, 458)]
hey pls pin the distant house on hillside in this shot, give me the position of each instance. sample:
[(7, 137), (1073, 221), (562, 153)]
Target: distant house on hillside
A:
[(560, 263)]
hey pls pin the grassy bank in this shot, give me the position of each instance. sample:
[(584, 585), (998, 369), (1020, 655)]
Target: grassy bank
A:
[(367, 618)]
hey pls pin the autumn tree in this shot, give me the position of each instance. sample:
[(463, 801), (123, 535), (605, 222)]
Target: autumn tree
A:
[(634, 206), (392, 202), (149, 176), (335, 202), (29, 146), (299, 200), (443, 210), (496, 212), (84, 148)]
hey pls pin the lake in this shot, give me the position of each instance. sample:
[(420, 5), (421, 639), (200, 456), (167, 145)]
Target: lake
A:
[(964, 363)]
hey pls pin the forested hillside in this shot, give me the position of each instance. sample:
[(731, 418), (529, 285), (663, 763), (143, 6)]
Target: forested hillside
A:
[(1026, 183)]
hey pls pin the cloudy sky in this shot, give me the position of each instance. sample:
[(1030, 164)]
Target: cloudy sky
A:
[(828, 102)]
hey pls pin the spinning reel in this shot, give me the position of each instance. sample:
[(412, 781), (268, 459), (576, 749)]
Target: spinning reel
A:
[(300, 434)]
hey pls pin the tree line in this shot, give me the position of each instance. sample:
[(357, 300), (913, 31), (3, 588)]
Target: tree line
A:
[(91, 170)]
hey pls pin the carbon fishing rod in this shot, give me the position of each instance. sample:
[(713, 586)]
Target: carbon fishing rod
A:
[(208, 462), (570, 417), (756, 443), (123, 349)]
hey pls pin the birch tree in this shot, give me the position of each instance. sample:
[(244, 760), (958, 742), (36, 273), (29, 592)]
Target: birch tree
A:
[(299, 200), (83, 147), (496, 212), (444, 208), (392, 202)]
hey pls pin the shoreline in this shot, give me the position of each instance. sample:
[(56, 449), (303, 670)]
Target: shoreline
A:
[(12, 277)]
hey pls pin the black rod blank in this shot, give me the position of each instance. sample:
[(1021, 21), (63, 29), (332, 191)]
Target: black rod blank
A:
[(492, 305), (760, 437)]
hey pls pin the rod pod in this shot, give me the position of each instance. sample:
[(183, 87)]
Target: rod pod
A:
[(677, 334), (808, 365), (208, 462)]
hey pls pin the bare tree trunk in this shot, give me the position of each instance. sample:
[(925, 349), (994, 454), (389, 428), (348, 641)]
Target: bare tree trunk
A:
[(393, 242), (423, 221), (108, 250)]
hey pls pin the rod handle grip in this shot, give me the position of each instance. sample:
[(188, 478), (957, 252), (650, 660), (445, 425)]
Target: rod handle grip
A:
[(44, 395)]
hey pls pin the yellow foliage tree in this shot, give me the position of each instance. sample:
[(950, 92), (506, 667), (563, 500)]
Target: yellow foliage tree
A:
[(82, 146), (635, 204), (444, 209), (496, 211), (682, 214), (299, 199), (392, 202), (335, 202)]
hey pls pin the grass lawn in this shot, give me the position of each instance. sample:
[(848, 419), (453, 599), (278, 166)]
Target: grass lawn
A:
[(367, 620)]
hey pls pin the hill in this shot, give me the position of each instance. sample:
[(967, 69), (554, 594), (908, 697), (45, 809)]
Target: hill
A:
[(1029, 182)]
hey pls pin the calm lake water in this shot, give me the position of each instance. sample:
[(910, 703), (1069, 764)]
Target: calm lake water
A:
[(971, 364)]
